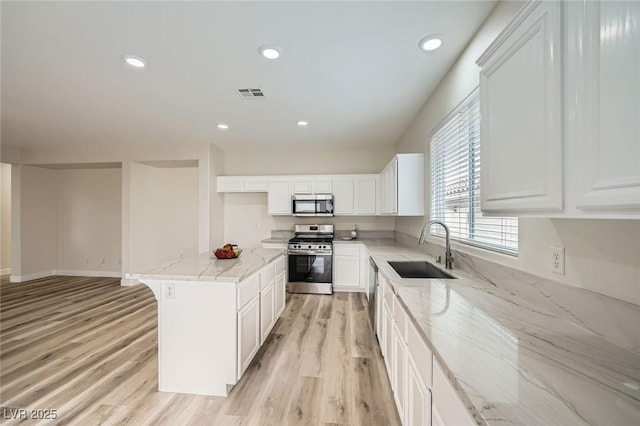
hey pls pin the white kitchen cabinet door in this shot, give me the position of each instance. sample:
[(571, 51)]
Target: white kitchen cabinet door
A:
[(230, 183), (389, 361), (267, 312), (280, 295), (399, 371), (379, 318), (248, 333), (346, 271), (279, 196), (521, 135), (303, 185), (365, 195), (390, 188), (450, 407), (343, 196), (603, 106), (255, 184), (418, 402), (322, 185)]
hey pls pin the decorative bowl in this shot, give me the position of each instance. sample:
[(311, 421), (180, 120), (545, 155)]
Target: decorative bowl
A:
[(219, 255)]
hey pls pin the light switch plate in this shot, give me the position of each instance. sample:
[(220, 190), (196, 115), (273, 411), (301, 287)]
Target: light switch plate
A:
[(557, 260)]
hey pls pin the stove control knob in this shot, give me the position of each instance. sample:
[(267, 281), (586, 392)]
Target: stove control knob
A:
[(309, 246)]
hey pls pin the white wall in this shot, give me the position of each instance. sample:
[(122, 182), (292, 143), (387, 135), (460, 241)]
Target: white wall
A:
[(5, 218), (35, 221), (601, 255), (127, 155), (164, 214), (216, 200), (90, 220), (307, 161)]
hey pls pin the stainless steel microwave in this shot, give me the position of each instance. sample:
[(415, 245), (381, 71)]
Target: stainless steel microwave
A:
[(312, 205)]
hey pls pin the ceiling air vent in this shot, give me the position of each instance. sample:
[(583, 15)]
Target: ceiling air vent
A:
[(251, 93)]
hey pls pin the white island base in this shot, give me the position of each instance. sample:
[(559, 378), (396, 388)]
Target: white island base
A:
[(213, 319)]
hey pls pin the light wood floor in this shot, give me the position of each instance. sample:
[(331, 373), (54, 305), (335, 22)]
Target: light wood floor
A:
[(87, 347)]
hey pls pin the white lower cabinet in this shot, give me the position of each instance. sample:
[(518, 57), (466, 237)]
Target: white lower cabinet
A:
[(261, 301), (248, 333), (267, 312), (399, 374), (349, 267), (446, 401), (280, 295), (418, 402), (421, 391)]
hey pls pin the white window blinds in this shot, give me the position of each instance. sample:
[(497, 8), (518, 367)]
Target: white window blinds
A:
[(455, 183)]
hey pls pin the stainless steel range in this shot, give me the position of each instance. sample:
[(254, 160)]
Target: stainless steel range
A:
[(311, 259)]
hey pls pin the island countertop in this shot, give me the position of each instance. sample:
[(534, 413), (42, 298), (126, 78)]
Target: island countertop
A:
[(206, 267)]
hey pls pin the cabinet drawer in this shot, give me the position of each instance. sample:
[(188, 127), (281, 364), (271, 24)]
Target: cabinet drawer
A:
[(267, 275), (248, 289), (420, 353), (280, 265), (347, 249)]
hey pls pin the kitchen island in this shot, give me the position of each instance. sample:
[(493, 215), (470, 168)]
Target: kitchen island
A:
[(213, 316)]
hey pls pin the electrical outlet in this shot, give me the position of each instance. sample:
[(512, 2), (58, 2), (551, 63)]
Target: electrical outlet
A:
[(170, 291), (557, 260)]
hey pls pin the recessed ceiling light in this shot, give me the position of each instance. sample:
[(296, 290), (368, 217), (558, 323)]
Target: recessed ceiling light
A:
[(269, 52), (302, 123), (431, 42), (135, 61), (223, 126)]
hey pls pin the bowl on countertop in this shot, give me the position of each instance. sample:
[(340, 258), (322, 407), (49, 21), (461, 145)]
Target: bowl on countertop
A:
[(221, 254)]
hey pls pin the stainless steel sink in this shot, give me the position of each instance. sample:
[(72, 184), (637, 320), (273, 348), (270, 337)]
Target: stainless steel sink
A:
[(421, 269)]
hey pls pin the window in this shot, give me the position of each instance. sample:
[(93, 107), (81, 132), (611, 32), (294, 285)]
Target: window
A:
[(455, 183)]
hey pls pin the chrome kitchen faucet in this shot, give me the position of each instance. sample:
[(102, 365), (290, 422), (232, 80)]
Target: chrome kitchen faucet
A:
[(448, 257)]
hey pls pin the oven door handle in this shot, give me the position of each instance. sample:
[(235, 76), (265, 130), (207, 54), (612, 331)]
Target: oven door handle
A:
[(308, 253)]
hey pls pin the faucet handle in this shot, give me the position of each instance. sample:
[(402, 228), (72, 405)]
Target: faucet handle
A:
[(439, 259)]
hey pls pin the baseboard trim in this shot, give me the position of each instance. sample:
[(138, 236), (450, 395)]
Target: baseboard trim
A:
[(128, 282), (5, 271), (348, 290), (68, 272), (29, 277), (80, 273)]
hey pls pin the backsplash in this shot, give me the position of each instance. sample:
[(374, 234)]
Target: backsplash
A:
[(612, 319)]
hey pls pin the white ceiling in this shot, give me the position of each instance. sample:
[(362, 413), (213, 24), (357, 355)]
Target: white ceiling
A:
[(352, 69)]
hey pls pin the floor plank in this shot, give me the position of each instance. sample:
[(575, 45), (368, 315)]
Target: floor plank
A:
[(87, 347)]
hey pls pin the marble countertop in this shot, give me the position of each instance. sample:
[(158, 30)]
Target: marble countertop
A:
[(206, 267), (276, 240), (512, 361)]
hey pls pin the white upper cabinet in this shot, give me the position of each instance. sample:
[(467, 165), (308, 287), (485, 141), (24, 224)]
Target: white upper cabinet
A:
[(322, 185), (402, 182), (312, 185), (343, 195), (365, 194), (279, 196), (303, 185), (560, 105), (603, 106), (521, 108), (242, 184)]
